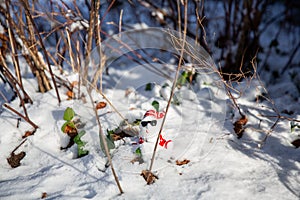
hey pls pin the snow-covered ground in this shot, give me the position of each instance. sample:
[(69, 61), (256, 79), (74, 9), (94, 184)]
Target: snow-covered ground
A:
[(199, 124), (200, 127)]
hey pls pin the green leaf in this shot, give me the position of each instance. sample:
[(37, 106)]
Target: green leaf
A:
[(294, 126), (77, 139), (182, 79), (110, 144), (137, 122), (109, 132), (148, 87), (69, 114), (138, 152), (80, 144), (82, 152), (155, 104)]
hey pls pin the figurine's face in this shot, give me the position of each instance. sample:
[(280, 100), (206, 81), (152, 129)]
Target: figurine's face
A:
[(150, 125), (150, 128)]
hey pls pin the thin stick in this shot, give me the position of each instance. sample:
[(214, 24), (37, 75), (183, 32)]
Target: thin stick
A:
[(281, 117), (120, 23), (263, 141), (179, 17), (291, 58), (98, 40), (90, 30), (232, 98), (43, 48), (22, 116), (13, 50), (97, 25), (78, 60), (13, 82), (101, 135), (107, 11), (70, 50), (173, 86), (4, 97), (15, 149)]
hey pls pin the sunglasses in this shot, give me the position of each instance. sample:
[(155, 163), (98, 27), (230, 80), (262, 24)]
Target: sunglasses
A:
[(145, 123)]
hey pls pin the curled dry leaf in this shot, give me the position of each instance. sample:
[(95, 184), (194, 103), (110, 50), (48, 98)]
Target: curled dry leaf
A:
[(296, 143), (70, 95), (71, 131), (149, 176), (239, 126), (183, 162), (74, 83), (15, 159), (101, 105)]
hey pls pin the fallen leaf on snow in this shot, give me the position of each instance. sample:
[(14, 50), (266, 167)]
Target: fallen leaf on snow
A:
[(15, 159), (149, 176), (296, 143), (70, 95), (239, 126), (183, 162), (44, 195), (101, 105)]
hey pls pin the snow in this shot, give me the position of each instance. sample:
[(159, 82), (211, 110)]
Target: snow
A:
[(80, 24), (220, 167)]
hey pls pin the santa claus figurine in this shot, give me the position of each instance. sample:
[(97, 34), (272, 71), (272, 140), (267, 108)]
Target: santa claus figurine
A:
[(149, 128)]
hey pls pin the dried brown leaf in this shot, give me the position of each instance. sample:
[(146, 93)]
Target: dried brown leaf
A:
[(15, 159), (149, 176), (44, 195), (101, 105), (182, 162), (296, 143), (70, 94), (239, 126), (71, 131), (28, 133)]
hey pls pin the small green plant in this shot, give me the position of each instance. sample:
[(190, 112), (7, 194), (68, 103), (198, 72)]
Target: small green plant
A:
[(185, 78), (109, 141), (80, 144), (155, 104), (182, 80), (294, 126), (70, 128)]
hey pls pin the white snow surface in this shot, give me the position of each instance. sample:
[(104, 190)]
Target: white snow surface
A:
[(221, 166)]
